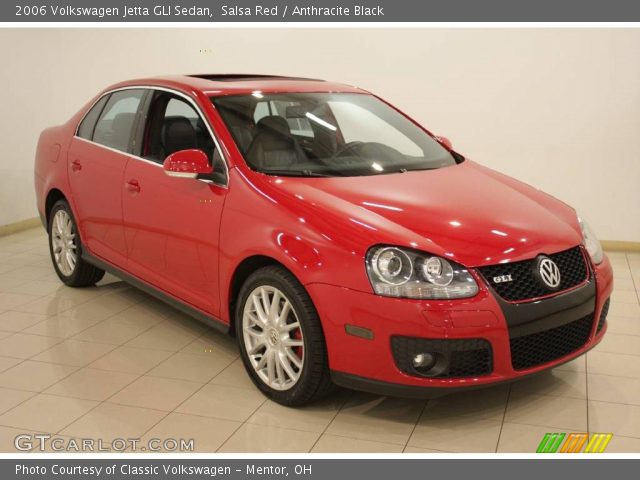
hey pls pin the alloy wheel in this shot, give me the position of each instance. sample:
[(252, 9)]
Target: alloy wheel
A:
[(273, 337), (63, 241)]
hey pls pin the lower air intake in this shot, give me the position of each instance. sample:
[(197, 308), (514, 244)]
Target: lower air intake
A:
[(543, 347)]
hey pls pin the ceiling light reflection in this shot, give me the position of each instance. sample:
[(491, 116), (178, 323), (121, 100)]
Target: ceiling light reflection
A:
[(319, 121), (380, 205)]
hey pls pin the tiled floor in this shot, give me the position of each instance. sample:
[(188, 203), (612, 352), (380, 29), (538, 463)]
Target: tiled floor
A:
[(110, 362)]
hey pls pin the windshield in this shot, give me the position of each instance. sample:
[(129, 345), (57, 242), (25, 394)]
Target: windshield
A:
[(327, 134)]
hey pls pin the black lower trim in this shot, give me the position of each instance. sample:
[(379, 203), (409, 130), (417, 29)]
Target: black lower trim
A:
[(532, 317), (603, 315), (379, 387), (543, 331), (157, 293), (542, 347), (455, 357), (388, 389)]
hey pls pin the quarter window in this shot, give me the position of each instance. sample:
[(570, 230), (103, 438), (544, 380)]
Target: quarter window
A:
[(85, 130), (117, 120)]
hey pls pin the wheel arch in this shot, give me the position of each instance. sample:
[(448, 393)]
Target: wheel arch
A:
[(242, 271), (240, 274), (53, 196)]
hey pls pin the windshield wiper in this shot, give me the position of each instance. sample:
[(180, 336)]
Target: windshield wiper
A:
[(417, 169), (294, 173)]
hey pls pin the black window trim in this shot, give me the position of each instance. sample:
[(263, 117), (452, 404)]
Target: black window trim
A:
[(141, 121), (137, 134)]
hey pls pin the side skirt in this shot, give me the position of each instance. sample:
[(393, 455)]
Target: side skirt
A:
[(155, 292)]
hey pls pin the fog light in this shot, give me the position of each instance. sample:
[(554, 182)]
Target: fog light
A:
[(423, 361)]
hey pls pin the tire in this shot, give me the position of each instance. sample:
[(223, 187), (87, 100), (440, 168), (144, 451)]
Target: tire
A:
[(67, 261), (306, 343)]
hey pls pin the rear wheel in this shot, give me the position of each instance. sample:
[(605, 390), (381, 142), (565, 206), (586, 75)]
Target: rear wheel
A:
[(281, 339), (65, 249)]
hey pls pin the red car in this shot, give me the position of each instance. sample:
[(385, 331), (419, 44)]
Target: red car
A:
[(341, 242)]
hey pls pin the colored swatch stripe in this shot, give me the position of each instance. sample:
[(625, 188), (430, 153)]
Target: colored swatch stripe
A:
[(550, 442), (598, 442), (574, 443)]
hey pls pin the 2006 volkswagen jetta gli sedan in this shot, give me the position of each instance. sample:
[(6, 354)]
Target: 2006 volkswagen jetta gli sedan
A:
[(340, 241)]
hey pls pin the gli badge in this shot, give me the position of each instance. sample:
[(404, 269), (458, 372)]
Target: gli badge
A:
[(547, 272), (502, 279)]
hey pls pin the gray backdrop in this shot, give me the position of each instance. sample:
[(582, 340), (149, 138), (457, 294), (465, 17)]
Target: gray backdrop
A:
[(371, 469), (393, 10)]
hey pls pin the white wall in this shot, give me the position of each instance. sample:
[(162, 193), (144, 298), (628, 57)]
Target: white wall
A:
[(557, 108)]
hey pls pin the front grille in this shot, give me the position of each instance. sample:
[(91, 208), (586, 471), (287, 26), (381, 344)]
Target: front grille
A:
[(524, 285), (463, 357), (603, 315), (542, 347)]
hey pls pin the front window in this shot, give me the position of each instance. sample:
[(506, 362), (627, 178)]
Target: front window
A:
[(173, 125), (327, 134)]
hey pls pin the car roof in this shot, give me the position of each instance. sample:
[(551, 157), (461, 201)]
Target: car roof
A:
[(236, 84)]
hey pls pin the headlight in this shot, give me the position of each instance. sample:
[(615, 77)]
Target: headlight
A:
[(591, 242), (400, 272)]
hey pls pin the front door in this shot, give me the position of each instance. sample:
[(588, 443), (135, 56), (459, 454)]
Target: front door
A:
[(172, 224)]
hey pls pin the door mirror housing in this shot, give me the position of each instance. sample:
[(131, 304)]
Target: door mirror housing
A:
[(445, 142), (187, 164)]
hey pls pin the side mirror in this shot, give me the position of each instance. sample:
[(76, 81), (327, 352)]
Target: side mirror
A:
[(445, 142), (187, 164)]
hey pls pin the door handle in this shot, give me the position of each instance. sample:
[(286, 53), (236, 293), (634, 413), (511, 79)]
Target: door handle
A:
[(133, 186), (76, 166)]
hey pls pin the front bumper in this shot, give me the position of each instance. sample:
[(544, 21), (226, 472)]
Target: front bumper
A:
[(369, 363)]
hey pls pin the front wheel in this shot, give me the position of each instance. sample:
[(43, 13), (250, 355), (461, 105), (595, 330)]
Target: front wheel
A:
[(281, 339), (65, 249)]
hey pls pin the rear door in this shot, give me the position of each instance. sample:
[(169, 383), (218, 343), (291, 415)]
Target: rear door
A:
[(97, 158), (172, 224)]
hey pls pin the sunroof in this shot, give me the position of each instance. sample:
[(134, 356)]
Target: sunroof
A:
[(245, 77)]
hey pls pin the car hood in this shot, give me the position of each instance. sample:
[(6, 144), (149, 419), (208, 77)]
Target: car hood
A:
[(467, 212)]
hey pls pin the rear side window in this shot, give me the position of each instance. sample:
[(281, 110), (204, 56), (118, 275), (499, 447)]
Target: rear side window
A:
[(85, 130), (117, 119)]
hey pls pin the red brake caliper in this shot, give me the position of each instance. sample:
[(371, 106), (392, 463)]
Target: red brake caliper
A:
[(297, 335)]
